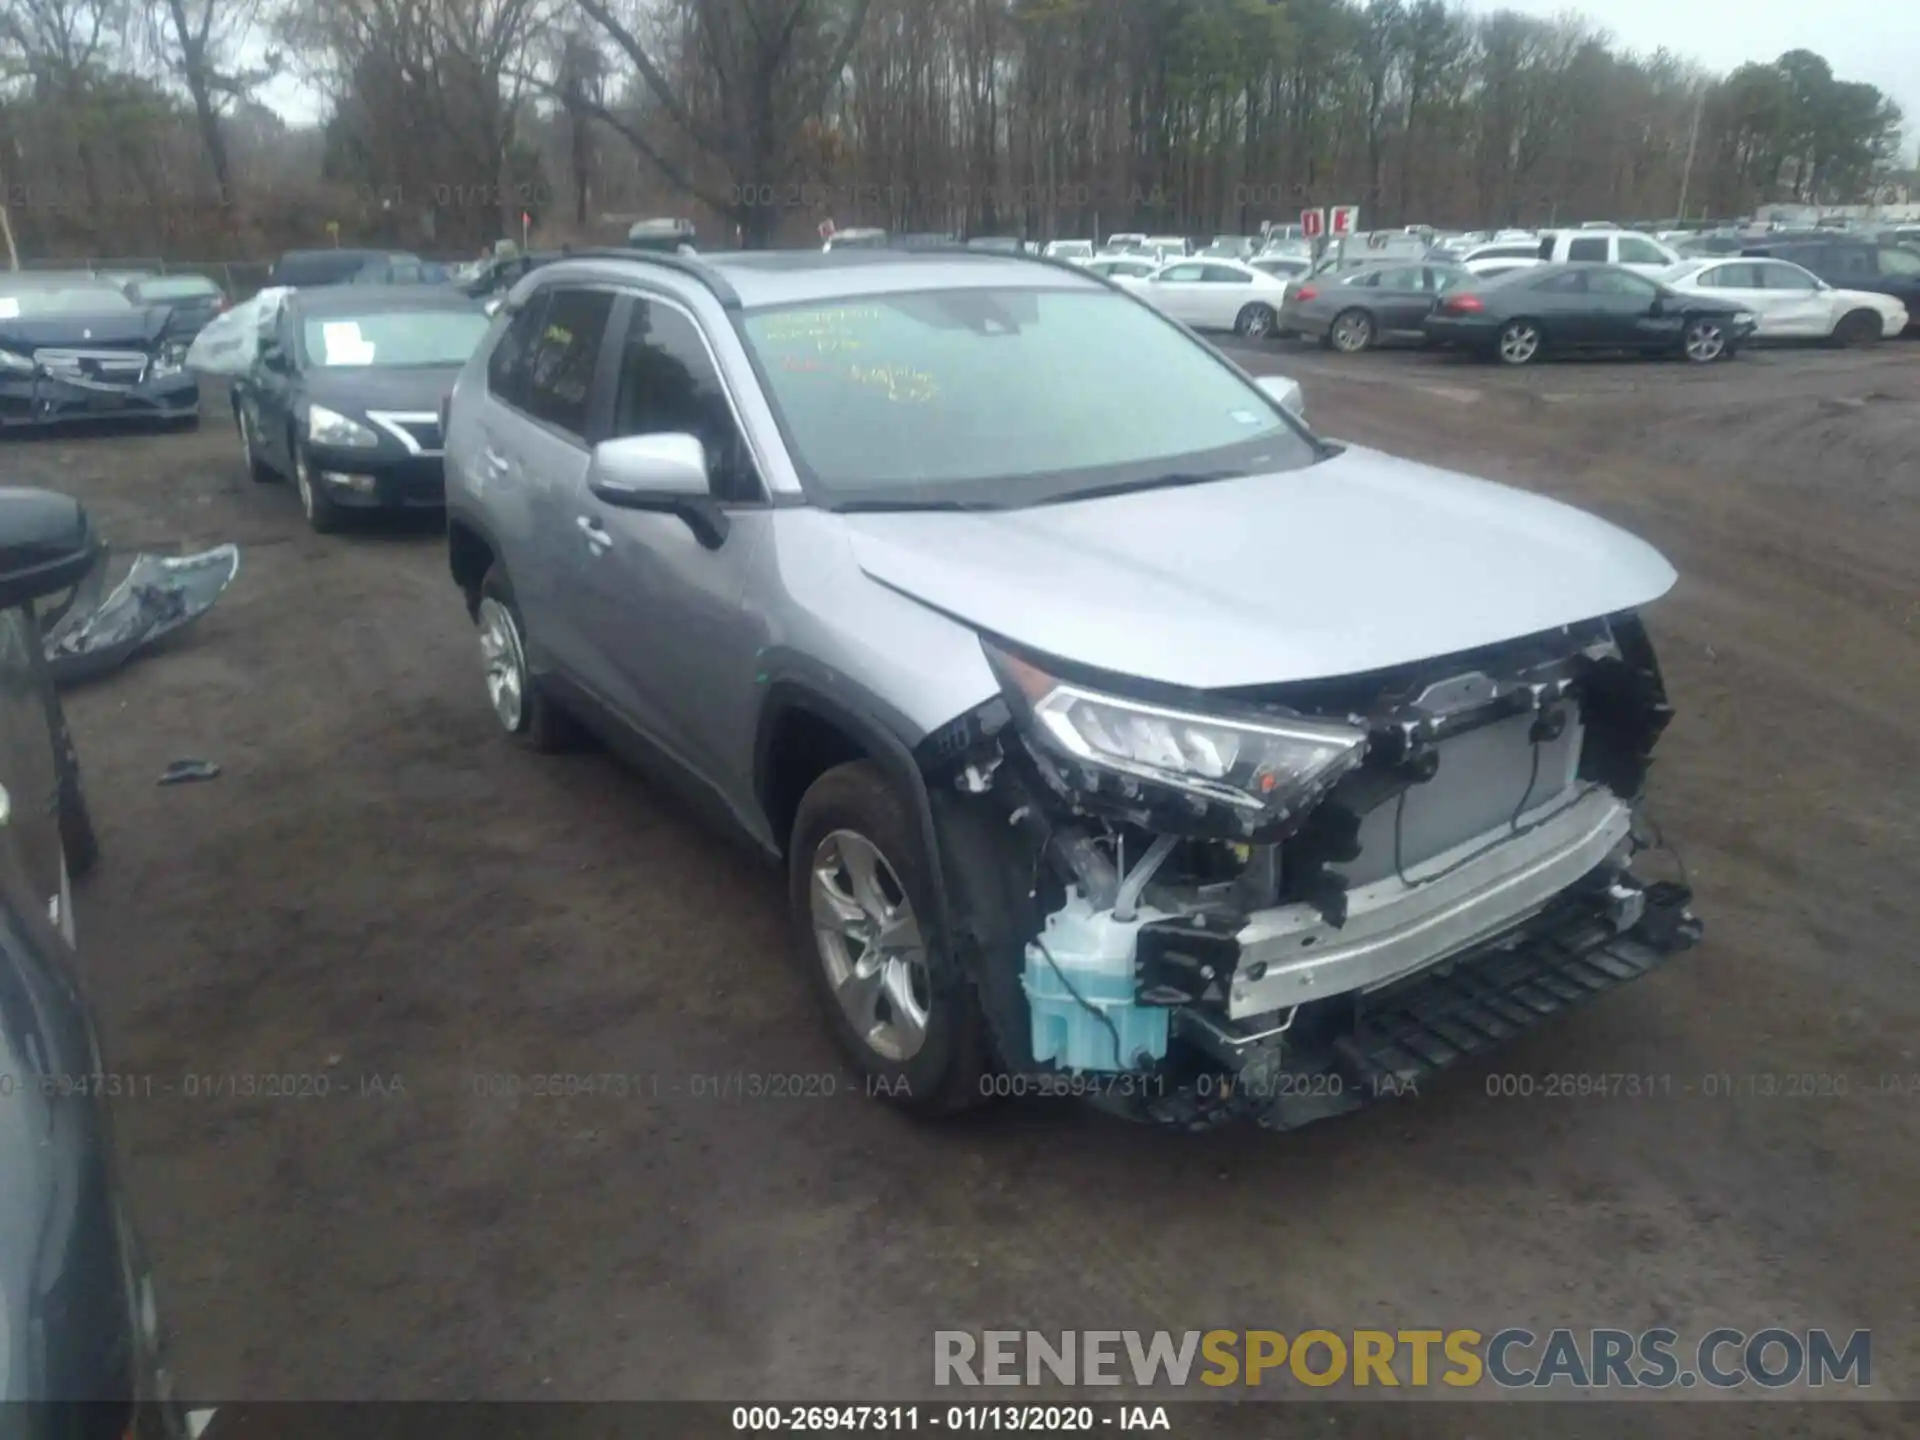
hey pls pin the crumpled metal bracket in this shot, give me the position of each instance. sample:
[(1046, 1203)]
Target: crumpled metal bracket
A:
[(89, 634)]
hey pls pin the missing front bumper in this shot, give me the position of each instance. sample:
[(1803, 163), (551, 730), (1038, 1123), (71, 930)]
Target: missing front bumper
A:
[(1406, 1034)]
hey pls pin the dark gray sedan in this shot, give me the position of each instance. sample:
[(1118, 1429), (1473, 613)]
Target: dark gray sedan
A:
[(1361, 308)]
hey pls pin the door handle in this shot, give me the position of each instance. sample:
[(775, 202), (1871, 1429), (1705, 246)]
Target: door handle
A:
[(597, 537), (495, 461)]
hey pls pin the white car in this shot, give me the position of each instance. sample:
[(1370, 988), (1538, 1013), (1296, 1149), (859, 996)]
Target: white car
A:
[(1121, 267), (1282, 267), (1076, 250), (1214, 294), (1791, 302)]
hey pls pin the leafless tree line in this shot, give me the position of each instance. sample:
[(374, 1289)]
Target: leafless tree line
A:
[(136, 126)]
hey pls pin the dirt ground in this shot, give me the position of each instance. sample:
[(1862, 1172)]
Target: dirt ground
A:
[(378, 889)]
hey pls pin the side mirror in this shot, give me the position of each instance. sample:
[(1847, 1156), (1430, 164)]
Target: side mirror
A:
[(1659, 306), (663, 473), (272, 357), (1285, 393), (46, 545)]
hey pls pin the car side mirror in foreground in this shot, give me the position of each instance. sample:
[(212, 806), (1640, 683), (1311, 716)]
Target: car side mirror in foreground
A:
[(272, 357), (664, 473), (46, 545), (1285, 393)]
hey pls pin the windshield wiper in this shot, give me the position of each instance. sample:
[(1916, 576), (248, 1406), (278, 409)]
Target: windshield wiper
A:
[(878, 507), (1152, 482)]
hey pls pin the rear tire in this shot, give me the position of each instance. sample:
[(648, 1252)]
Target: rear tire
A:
[(1857, 327), (529, 718), (925, 1052), (1254, 322), (1352, 331), (1519, 343)]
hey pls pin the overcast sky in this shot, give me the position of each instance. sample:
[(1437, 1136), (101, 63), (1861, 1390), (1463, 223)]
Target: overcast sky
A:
[(1877, 41), (1873, 40)]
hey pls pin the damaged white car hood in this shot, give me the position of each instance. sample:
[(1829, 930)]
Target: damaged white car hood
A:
[(1354, 564)]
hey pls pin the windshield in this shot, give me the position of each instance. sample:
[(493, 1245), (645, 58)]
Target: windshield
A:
[(394, 337), (62, 300), (1006, 397)]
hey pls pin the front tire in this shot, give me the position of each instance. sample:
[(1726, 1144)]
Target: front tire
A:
[(1254, 322), (322, 514), (529, 718), (860, 901), (1519, 343), (1857, 327), (1705, 341)]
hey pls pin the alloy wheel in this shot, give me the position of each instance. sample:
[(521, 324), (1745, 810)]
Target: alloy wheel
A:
[(1256, 322), (1519, 344), (505, 664), (1352, 333), (1706, 342), (870, 945)]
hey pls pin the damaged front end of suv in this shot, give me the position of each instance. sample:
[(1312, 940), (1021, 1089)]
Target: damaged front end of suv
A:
[(1280, 902)]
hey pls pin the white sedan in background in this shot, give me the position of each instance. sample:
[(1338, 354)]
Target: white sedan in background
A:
[(1120, 267), (1791, 303), (1213, 294)]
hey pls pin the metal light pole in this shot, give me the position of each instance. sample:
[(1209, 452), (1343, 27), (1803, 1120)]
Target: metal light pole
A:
[(1693, 141)]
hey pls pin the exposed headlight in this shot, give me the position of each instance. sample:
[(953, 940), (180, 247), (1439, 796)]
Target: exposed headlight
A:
[(16, 364), (170, 360), (330, 427), (1268, 769)]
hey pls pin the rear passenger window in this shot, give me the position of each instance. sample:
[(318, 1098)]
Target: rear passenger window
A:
[(507, 366), (668, 385), (1731, 277), (1636, 251), (561, 362), (1588, 248)]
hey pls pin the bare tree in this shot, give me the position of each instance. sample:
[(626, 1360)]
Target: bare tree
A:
[(199, 42), (770, 66)]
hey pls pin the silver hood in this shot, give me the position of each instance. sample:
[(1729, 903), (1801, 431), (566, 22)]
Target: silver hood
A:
[(1357, 563)]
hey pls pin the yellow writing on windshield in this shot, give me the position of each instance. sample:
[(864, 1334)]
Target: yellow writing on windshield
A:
[(822, 331), (901, 382)]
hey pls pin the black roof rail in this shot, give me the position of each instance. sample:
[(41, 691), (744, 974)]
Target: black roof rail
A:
[(685, 264)]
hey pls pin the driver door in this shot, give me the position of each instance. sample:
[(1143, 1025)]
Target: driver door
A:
[(1792, 300), (1625, 310), (663, 613), (1222, 291)]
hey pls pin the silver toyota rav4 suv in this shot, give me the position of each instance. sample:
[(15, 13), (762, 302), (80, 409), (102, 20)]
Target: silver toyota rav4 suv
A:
[(1119, 736)]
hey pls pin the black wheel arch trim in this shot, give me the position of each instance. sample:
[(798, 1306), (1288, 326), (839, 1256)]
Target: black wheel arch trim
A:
[(785, 696)]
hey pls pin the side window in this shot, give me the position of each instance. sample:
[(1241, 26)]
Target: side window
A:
[(561, 361), (507, 366), (1587, 248), (1779, 276), (1731, 277), (1567, 282), (1227, 275), (1400, 280), (1368, 278), (668, 385), (1636, 251), (1897, 261), (1852, 262), (1184, 272), (1622, 282)]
